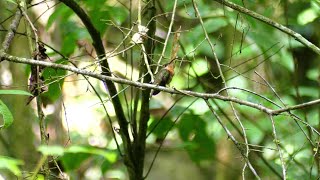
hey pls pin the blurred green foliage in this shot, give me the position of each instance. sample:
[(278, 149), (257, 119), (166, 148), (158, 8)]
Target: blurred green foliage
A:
[(243, 45)]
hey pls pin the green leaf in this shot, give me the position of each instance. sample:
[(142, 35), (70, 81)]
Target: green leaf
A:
[(285, 60), (307, 16), (75, 155), (109, 155), (199, 145), (51, 150), (99, 12), (6, 114), (119, 15), (215, 24), (71, 32), (16, 92), (201, 67), (94, 4), (72, 161), (12, 1), (211, 25), (11, 164), (54, 78), (62, 12), (106, 165), (315, 4), (97, 17), (313, 74), (307, 91), (186, 126), (254, 99), (162, 127), (69, 44)]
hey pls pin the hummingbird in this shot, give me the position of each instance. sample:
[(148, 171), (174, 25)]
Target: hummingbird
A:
[(165, 74)]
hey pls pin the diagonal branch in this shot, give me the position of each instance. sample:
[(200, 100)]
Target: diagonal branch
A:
[(272, 23), (98, 45), (168, 34), (235, 142), (10, 34), (224, 83)]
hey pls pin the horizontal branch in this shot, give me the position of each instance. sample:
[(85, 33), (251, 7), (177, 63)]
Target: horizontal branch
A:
[(299, 106), (155, 87), (272, 23)]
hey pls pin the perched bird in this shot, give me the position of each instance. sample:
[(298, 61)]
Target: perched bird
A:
[(164, 76)]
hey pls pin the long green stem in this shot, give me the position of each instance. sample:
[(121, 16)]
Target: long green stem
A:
[(39, 165)]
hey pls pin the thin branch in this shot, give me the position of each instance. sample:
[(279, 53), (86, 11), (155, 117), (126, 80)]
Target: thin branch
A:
[(210, 43), (233, 39), (246, 154), (236, 143), (108, 116), (24, 12), (252, 92), (251, 58), (145, 58), (277, 142), (272, 23), (168, 34), (258, 64), (166, 134), (36, 75), (98, 45), (163, 116), (161, 88), (272, 89), (10, 34), (277, 95), (299, 106)]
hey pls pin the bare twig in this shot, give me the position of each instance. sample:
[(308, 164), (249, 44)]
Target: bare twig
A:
[(168, 34), (108, 116), (146, 62), (161, 88), (254, 93), (163, 116), (169, 129), (277, 142), (272, 23), (269, 85), (233, 139), (298, 106), (246, 154), (23, 9), (10, 34), (209, 42), (277, 95)]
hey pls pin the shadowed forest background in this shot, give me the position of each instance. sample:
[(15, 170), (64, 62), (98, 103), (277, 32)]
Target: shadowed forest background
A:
[(76, 78)]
